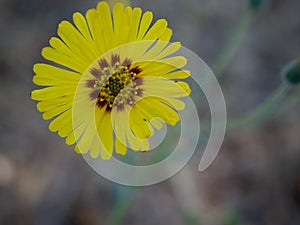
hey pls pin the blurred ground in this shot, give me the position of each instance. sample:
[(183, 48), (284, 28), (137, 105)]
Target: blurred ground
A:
[(255, 179)]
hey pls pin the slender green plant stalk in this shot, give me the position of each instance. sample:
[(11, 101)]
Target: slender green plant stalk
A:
[(260, 114), (289, 103), (122, 204), (233, 44), (119, 212)]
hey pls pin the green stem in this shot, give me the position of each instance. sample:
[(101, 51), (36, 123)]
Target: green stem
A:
[(122, 205), (289, 103), (262, 113), (119, 213), (267, 110), (232, 46)]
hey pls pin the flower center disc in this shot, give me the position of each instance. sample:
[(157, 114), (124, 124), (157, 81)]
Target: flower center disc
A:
[(116, 84)]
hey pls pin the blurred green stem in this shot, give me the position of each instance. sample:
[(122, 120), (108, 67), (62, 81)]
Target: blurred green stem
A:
[(262, 113), (122, 205), (234, 42), (272, 106), (289, 103), (118, 213)]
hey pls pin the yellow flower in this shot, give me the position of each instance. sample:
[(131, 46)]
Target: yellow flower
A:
[(111, 80)]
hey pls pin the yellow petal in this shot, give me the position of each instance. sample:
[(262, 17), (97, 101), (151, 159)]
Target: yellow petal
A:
[(96, 30), (144, 25), (119, 130), (162, 67), (124, 30), (118, 16), (97, 144), (62, 59), (174, 103), (65, 131), (156, 30), (157, 123), (52, 72), (170, 49), (79, 134), (86, 139), (52, 103), (61, 47), (134, 24), (159, 87), (160, 110), (105, 21), (179, 74), (65, 119), (139, 124), (56, 111), (77, 43), (52, 92), (82, 26), (122, 125), (105, 133), (120, 147), (159, 46), (70, 140)]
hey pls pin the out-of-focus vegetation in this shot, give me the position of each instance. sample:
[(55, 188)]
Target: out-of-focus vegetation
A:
[(255, 179)]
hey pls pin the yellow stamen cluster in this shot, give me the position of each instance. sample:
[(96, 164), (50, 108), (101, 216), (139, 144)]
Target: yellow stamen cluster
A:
[(117, 85)]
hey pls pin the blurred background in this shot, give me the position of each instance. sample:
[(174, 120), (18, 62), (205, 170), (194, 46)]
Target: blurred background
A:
[(255, 179)]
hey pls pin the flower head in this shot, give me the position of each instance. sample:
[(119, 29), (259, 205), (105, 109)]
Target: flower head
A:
[(111, 79)]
